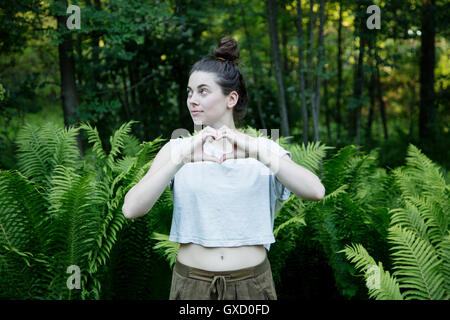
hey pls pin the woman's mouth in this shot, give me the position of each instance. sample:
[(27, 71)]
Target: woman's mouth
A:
[(196, 112)]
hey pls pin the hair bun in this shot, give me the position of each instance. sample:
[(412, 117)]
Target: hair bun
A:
[(227, 49)]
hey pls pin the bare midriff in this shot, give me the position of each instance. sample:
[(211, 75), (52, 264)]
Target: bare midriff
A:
[(220, 258)]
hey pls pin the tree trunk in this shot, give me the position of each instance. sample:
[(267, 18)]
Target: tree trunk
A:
[(381, 103), (327, 109), (69, 94), (301, 73), (284, 38), (95, 44), (371, 85), (275, 49), (255, 67), (359, 79), (427, 64), (372, 106), (320, 63), (339, 76), (309, 60)]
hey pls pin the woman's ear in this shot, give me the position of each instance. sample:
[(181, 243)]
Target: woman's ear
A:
[(233, 98)]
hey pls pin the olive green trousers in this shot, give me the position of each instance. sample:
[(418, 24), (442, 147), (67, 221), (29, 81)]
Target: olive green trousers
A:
[(254, 283)]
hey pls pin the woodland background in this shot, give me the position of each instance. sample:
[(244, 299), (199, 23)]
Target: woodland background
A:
[(83, 112)]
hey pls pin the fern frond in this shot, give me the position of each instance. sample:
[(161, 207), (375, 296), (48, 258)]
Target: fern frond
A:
[(444, 253), (310, 156), (22, 211), (335, 169), (74, 208), (416, 264), (433, 215), (382, 286), (117, 141), (410, 217), (94, 137), (34, 156), (298, 219), (425, 170), (420, 177), (167, 248), (64, 149), (333, 195)]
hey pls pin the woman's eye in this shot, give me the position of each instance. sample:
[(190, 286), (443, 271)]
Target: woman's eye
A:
[(203, 90)]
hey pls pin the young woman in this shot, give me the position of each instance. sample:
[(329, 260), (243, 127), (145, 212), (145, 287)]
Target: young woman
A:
[(226, 188)]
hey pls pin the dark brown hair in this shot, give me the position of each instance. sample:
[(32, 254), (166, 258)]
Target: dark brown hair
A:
[(224, 63)]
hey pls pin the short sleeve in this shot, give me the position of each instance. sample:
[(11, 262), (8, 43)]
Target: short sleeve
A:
[(184, 144), (280, 191), (274, 147)]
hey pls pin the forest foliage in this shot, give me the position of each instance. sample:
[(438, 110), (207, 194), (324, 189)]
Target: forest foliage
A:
[(58, 210), (83, 112)]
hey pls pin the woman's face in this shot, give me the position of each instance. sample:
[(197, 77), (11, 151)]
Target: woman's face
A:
[(205, 95)]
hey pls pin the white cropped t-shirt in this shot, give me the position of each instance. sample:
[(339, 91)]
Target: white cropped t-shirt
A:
[(229, 204)]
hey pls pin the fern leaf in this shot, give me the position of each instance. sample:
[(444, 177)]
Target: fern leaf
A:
[(299, 219), (382, 286), (444, 253), (310, 156), (416, 264), (117, 141), (94, 137), (410, 217), (167, 248)]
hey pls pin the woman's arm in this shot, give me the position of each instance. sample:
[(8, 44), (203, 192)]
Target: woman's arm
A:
[(300, 181), (141, 197)]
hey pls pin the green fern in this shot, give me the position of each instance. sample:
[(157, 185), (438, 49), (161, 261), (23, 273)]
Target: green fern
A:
[(417, 265), (22, 210), (297, 220), (40, 150), (310, 156), (51, 216), (386, 287), (419, 232), (167, 248)]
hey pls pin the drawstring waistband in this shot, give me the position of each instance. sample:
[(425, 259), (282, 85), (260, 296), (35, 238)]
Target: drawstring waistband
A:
[(219, 279), (219, 286)]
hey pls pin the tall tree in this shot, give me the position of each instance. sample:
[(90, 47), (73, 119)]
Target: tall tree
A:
[(380, 96), (358, 88), (254, 61), (301, 71), (69, 94), (319, 73), (327, 109), (339, 75), (309, 59), (272, 16), (427, 64)]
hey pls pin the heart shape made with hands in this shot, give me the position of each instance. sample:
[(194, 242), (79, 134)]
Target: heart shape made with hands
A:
[(217, 146)]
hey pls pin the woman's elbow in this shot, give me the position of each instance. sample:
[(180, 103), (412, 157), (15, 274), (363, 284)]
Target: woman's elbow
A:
[(321, 193), (127, 213), (318, 194)]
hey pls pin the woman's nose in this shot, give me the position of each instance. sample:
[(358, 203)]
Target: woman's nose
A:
[(192, 99)]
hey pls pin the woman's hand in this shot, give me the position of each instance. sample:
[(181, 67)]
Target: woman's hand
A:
[(244, 146), (192, 150)]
